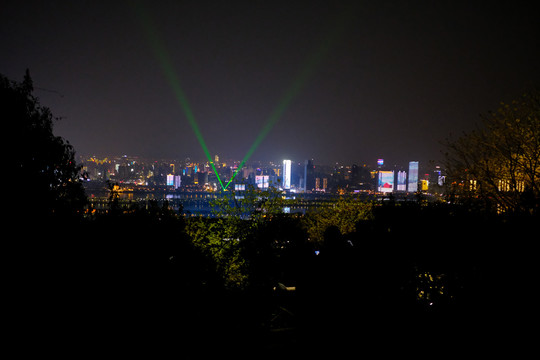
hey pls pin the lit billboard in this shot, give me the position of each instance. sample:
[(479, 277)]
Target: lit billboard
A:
[(170, 180), (386, 181), (262, 181)]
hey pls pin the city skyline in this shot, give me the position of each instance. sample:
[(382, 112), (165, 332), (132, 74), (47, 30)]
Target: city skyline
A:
[(371, 163), (336, 81), (289, 176)]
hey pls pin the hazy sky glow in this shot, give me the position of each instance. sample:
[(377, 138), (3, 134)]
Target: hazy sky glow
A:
[(330, 80)]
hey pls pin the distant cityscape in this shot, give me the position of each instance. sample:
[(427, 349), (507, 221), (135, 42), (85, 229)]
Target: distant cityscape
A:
[(291, 176)]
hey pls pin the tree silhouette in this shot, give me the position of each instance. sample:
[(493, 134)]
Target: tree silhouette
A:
[(41, 166), (499, 163), (345, 213), (246, 238)]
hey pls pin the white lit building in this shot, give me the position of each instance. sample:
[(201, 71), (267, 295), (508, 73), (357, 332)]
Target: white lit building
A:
[(287, 174)]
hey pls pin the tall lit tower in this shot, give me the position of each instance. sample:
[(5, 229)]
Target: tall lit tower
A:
[(286, 174), (412, 184)]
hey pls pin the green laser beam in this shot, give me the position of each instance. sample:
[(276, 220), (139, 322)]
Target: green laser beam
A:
[(282, 106), (166, 64), (294, 89), (299, 82)]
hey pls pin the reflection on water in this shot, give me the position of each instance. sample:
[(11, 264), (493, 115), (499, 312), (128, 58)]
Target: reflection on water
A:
[(191, 203), (199, 203)]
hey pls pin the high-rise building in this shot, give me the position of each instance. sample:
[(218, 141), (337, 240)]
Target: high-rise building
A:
[(401, 181), (177, 181), (287, 174), (412, 184), (309, 175)]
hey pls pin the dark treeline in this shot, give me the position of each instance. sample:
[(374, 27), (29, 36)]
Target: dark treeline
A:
[(410, 277)]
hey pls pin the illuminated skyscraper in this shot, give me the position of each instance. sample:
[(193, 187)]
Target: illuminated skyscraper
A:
[(412, 184), (401, 181), (177, 181), (286, 174)]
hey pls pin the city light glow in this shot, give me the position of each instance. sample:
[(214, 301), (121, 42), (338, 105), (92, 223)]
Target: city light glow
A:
[(162, 55), (160, 51)]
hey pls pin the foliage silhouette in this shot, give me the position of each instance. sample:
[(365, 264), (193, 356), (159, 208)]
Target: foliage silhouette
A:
[(344, 213), (43, 165), (499, 163), (243, 234)]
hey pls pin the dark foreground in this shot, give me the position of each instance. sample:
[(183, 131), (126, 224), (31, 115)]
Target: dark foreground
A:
[(454, 290)]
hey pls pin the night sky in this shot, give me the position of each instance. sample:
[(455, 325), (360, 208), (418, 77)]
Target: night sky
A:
[(377, 79)]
